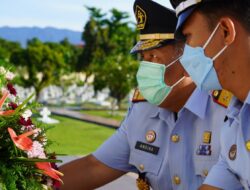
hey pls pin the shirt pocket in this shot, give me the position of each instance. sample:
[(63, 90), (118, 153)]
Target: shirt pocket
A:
[(145, 162), (202, 166)]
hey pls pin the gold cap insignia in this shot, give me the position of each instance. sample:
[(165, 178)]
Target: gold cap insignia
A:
[(141, 17)]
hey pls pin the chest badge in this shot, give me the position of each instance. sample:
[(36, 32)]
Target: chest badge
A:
[(207, 135), (150, 136), (232, 152)]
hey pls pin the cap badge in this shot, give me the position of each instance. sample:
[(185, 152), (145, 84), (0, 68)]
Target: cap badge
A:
[(141, 17), (150, 136)]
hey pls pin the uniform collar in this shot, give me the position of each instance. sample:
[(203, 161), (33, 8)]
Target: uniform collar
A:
[(236, 106), (197, 103), (247, 101), (161, 113)]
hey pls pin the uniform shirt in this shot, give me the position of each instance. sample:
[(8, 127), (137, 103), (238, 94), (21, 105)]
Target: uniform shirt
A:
[(235, 150), (177, 164)]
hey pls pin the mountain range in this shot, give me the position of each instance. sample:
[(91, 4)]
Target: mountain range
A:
[(48, 34)]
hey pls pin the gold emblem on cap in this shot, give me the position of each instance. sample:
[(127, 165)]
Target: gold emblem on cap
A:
[(232, 152), (141, 17), (248, 145), (150, 136), (207, 137)]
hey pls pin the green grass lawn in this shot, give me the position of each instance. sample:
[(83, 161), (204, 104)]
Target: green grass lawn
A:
[(118, 115), (74, 137)]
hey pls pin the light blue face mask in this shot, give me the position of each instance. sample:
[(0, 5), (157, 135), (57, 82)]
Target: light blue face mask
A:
[(200, 67), (151, 83)]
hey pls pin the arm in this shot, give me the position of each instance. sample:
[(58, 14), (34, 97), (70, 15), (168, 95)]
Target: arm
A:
[(87, 173), (221, 177)]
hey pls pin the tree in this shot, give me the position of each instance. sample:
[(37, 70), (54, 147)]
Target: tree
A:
[(7, 48), (93, 37), (43, 64), (106, 54)]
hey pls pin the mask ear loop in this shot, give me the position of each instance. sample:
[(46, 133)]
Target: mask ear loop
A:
[(181, 79), (173, 62), (211, 36), (169, 65), (209, 40)]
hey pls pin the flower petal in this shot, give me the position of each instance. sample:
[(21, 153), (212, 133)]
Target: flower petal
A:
[(22, 141), (7, 113), (48, 170), (4, 97)]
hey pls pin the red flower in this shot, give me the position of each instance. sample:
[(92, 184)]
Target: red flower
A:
[(49, 171), (22, 141), (24, 122), (11, 89), (12, 105)]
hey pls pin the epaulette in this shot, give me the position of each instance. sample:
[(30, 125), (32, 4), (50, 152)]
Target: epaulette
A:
[(222, 97), (137, 97)]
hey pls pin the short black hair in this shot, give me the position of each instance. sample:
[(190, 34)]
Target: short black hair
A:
[(237, 9)]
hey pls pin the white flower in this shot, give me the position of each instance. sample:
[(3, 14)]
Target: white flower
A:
[(36, 151), (37, 131), (12, 98), (44, 140), (27, 114), (2, 70), (9, 75), (49, 182)]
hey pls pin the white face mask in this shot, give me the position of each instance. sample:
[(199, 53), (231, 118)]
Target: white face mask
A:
[(151, 81)]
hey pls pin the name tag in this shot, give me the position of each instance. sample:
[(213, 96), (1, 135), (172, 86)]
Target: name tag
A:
[(147, 148)]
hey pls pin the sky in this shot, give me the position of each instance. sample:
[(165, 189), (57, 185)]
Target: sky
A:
[(67, 14)]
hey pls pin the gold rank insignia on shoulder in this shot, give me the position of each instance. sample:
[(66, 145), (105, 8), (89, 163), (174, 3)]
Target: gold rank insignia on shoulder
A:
[(137, 97), (222, 97), (142, 184), (141, 17)]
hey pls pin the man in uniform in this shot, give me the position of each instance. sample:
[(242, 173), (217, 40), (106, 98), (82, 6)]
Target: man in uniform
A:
[(216, 55), (172, 146)]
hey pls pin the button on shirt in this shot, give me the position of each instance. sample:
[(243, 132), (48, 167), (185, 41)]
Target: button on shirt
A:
[(177, 164), (235, 154)]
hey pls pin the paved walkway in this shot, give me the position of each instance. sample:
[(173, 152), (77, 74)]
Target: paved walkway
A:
[(126, 182), (88, 118)]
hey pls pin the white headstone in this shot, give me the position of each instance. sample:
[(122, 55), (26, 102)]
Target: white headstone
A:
[(45, 113)]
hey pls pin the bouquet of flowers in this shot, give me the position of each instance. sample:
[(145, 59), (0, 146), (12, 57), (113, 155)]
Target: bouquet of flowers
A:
[(24, 161)]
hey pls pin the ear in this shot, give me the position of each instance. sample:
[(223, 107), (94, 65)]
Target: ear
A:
[(228, 28)]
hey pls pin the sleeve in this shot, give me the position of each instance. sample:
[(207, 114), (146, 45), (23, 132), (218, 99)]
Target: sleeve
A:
[(222, 177), (115, 151)]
